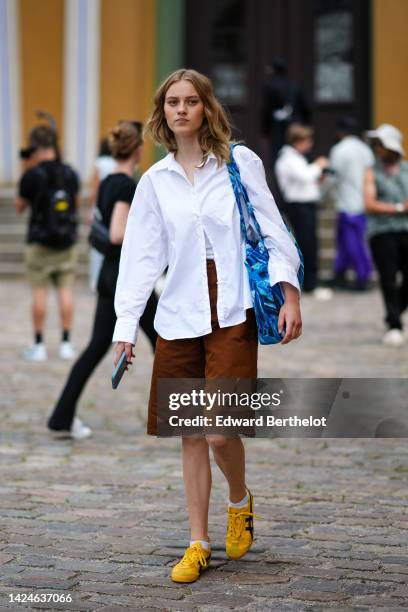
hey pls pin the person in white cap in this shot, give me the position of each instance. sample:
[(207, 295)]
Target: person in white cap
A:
[(386, 202)]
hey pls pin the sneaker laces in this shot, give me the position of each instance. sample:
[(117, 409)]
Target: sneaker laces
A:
[(194, 555), (236, 522)]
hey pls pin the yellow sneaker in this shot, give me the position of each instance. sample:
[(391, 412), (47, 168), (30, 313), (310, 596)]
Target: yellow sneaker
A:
[(195, 560), (240, 530)]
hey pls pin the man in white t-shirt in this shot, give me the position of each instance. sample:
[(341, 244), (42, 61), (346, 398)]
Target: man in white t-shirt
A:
[(349, 159)]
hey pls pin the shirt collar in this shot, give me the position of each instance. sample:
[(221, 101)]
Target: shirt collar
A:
[(170, 163), (289, 150)]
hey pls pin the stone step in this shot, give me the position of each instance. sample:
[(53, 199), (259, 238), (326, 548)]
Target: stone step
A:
[(13, 230), (11, 217), (17, 233), (16, 247), (17, 269), (11, 265), (15, 252)]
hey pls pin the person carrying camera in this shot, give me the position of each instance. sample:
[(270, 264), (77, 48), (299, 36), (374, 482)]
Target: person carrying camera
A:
[(49, 189)]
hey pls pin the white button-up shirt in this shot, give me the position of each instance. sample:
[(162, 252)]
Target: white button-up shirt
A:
[(297, 179), (166, 226)]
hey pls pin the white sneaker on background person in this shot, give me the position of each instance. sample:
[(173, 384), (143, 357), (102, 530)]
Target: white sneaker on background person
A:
[(67, 351), (322, 293), (393, 337), (78, 431), (36, 352)]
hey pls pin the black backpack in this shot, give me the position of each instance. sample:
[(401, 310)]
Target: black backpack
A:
[(54, 221)]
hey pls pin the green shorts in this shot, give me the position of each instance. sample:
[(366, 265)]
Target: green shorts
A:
[(45, 265)]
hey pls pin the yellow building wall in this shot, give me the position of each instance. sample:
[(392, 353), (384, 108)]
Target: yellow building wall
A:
[(127, 63), (390, 63), (41, 52)]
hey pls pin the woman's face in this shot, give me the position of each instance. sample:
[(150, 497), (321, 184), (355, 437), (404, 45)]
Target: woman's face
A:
[(183, 109), (305, 145), (385, 155)]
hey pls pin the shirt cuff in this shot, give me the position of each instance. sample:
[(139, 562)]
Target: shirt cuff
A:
[(317, 171), (284, 274), (126, 331)]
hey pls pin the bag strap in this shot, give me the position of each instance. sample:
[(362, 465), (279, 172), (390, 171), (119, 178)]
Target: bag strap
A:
[(249, 224)]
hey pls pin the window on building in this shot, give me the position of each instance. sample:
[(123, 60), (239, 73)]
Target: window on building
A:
[(229, 47), (334, 51)]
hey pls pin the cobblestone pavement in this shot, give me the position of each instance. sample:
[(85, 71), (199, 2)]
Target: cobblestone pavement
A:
[(103, 520)]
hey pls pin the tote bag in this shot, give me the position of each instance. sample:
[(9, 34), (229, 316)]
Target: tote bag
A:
[(267, 299)]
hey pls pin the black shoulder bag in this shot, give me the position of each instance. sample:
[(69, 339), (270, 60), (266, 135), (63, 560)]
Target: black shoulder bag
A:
[(99, 236)]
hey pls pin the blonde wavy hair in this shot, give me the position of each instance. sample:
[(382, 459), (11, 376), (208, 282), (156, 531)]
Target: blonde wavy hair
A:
[(215, 133)]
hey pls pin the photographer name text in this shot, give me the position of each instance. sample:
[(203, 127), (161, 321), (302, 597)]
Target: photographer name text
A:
[(258, 421)]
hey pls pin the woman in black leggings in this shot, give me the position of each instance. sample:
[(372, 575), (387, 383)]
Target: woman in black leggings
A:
[(114, 199)]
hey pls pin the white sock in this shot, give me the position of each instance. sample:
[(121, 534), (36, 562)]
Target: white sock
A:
[(203, 543), (241, 504)]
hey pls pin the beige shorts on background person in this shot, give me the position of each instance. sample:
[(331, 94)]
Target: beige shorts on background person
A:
[(45, 265)]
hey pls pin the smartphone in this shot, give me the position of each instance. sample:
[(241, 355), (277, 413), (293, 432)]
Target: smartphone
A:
[(119, 370)]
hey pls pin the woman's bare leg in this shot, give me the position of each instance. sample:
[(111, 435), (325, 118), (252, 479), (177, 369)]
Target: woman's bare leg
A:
[(197, 484), (229, 455)]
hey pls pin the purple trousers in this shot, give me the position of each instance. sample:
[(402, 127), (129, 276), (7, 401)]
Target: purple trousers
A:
[(352, 249)]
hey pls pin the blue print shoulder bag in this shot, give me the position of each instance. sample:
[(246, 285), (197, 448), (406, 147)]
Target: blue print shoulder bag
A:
[(267, 300)]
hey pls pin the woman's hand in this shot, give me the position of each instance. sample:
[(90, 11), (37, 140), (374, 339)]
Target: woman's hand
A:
[(124, 346), (322, 162), (289, 315)]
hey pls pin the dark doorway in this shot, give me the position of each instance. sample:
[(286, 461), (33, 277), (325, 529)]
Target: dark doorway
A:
[(326, 44)]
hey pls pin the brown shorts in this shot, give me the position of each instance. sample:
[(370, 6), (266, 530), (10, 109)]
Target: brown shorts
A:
[(45, 265), (227, 352)]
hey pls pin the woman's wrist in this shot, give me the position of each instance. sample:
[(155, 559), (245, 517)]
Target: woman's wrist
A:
[(290, 292)]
